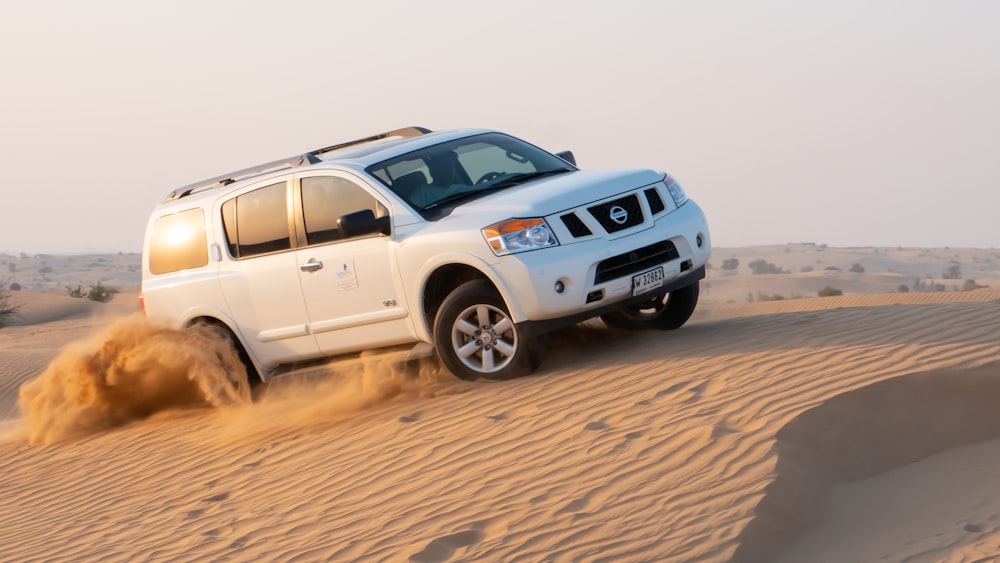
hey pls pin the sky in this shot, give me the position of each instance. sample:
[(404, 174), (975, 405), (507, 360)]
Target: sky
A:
[(844, 122)]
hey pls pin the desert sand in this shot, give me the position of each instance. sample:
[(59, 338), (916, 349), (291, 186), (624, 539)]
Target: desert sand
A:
[(775, 426)]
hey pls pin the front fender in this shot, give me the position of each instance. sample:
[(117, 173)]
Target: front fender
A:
[(423, 328)]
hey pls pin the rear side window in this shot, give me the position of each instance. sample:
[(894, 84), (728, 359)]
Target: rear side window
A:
[(257, 222), (325, 199), (178, 242)]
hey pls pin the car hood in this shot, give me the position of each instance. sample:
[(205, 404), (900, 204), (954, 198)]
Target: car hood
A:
[(547, 196)]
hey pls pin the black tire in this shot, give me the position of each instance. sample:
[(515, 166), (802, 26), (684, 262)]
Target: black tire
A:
[(667, 312), (475, 338)]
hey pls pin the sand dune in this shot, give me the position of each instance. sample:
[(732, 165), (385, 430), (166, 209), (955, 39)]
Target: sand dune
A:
[(758, 432)]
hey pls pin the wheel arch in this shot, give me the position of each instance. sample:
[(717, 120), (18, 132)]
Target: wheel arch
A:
[(242, 349), (445, 278)]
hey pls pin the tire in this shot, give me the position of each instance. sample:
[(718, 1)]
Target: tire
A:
[(249, 378), (667, 312), (475, 338)]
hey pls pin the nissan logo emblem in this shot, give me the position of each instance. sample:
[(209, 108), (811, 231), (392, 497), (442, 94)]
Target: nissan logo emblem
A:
[(618, 214)]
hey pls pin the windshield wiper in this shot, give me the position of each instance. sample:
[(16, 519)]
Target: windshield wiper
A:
[(469, 194), (527, 177)]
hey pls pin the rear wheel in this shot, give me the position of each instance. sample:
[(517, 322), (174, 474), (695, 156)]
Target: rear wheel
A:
[(665, 312), (248, 378), (475, 338)]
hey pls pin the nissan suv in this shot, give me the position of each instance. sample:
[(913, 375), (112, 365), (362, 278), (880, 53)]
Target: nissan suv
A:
[(472, 241)]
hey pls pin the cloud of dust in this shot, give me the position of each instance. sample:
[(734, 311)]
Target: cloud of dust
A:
[(135, 369), (129, 372), (336, 392)]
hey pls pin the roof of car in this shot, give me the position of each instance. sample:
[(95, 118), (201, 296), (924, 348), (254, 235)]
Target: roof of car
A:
[(360, 152)]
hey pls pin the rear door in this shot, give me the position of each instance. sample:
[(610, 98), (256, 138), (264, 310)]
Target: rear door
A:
[(352, 286), (260, 280)]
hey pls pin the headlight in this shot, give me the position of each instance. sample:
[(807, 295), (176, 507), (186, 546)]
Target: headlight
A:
[(519, 235), (676, 192)]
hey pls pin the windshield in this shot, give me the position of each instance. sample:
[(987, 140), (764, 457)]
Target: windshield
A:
[(437, 178)]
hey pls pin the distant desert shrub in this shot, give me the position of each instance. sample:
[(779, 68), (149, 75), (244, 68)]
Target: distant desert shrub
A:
[(857, 268), (98, 292), (829, 292), (903, 288), (970, 285), (954, 272), (8, 309), (761, 266), (730, 264), (832, 268), (806, 269), (45, 270), (101, 293)]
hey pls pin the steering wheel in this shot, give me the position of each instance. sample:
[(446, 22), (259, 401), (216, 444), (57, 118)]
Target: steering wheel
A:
[(489, 177)]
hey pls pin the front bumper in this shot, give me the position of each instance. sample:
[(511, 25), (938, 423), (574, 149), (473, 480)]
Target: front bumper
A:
[(529, 329), (530, 279)]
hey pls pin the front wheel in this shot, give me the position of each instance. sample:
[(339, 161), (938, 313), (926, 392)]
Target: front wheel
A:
[(665, 312), (475, 338)]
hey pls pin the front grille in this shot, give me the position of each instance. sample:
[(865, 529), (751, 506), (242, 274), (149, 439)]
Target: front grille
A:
[(655, 201), (636, 261), (632, 216), (575, 225)]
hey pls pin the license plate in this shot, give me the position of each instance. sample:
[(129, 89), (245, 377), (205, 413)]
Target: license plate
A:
[(647, 281)]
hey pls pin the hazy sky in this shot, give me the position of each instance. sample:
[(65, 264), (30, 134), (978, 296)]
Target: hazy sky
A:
[(841, 122)]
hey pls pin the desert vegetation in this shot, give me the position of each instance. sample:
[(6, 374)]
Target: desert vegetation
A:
[(98, 292), (761, 266), (970, 285), (8, 308), (829, 291)]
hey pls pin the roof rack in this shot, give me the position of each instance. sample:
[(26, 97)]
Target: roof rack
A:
[(311, 157)]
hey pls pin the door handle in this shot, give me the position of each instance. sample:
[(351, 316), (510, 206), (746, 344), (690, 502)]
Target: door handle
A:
[(311, 266)]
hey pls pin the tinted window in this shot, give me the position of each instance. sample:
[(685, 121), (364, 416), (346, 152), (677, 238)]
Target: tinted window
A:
[(178, 242), (257, 222), (325, 199)]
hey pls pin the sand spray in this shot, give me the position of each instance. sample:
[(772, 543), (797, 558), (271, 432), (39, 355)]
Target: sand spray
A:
[(134, 369)]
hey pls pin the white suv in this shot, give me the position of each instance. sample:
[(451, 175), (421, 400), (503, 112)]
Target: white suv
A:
[(473, 241)]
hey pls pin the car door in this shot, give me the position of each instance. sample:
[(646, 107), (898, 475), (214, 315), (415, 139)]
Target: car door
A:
[(351, 285), (260, 278)]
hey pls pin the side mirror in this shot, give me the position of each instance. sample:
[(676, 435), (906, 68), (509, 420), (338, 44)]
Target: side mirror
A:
[(362, 223), (567, 156)]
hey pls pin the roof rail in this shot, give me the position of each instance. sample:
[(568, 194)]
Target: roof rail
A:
[(311, 157)]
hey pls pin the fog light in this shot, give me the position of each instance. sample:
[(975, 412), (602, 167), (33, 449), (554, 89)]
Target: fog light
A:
[(699, 240), (560, 287)]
